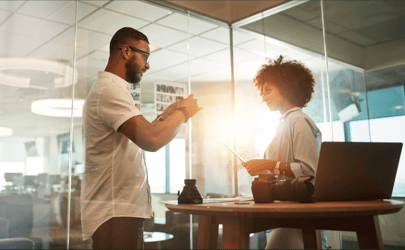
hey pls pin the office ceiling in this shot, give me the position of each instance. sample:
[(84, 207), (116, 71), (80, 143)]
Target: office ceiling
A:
[(365, 23), (45, 29)]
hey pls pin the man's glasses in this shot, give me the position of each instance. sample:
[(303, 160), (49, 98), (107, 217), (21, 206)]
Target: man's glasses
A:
[(139, 50)]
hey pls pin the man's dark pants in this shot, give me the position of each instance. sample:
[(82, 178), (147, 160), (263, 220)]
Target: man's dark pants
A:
[(119, 233)]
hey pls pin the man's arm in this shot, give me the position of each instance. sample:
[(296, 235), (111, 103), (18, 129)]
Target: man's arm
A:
[(169, 110), (153, 136)]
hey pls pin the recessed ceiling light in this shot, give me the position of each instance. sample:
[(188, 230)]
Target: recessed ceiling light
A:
[(63, 70), (5, 131), (57, 107)]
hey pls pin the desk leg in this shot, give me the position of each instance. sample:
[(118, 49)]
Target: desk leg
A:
[(207, 232), (312, 238), (235, 233), (369, 234)]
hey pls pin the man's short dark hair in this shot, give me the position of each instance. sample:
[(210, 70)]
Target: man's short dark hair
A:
[(294, 81), (124, 35)]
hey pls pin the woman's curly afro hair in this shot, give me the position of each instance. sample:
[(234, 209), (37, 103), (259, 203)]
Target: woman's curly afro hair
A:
[(294, 81)]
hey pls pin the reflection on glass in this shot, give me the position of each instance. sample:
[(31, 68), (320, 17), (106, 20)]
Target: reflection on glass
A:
[(366, 54), (36, 61)]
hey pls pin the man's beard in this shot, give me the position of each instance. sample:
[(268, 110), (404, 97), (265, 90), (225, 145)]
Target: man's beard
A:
[(132, 71)]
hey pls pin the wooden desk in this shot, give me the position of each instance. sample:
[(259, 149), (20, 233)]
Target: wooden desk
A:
[(242, 217)]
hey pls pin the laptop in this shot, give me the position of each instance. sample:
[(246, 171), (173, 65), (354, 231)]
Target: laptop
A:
[(349, 171)]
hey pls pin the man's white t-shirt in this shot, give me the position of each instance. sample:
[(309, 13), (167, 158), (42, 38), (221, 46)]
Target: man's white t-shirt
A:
[(115, 182)]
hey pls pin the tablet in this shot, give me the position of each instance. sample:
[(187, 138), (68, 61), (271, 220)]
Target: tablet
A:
[(237, 155)]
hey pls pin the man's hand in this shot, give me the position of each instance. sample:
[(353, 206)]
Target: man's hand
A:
[(191, 104), (172, 107), (257, 166)]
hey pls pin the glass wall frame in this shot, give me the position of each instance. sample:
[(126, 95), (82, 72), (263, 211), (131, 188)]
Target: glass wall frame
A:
[(213, 60)]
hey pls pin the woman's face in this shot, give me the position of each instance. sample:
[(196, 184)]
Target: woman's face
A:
[(272, 97)]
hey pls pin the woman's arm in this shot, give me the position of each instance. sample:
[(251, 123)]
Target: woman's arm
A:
[(257, 166)]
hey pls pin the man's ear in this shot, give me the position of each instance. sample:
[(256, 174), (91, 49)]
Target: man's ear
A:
[(124, 52)]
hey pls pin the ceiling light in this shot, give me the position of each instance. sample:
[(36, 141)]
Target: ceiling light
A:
[(5, 131), (57, 107), (64, 70)]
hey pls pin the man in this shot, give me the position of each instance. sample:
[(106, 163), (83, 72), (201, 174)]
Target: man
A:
[(115, 197)]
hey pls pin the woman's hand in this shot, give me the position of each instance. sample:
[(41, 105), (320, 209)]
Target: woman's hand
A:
[(257, 166)]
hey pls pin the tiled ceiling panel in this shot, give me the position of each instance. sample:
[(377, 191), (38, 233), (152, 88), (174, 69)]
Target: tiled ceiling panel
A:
[(197, 66), (109, 22), (252, 65), (66, 38), (161, 36), (67, 14), (368, 13), (47, 30), (334, 7), (356, 38), (397, 4), (222, 56), (98, 3), (239, 55), (384, 31), (97, 60), (52, 51), (221, 35), (163, 58), (200, 65), (6, 39), (42, 9), (172, 73), (20, 47), (293, 54), (91, 40), (20, 24), (11, 5), (260, 47), (138, 9), (198, 46), (180, 22), (301, 14), (223, 74), (330, 27), (4, 14)]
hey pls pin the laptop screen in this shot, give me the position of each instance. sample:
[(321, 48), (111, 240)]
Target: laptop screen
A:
[(356, 170)]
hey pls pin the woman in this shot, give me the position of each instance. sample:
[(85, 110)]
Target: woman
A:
[(287, 86)]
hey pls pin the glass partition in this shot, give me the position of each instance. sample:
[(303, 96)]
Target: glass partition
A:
[(36, 82), (285, 33), (369, 73), (52, 52)]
